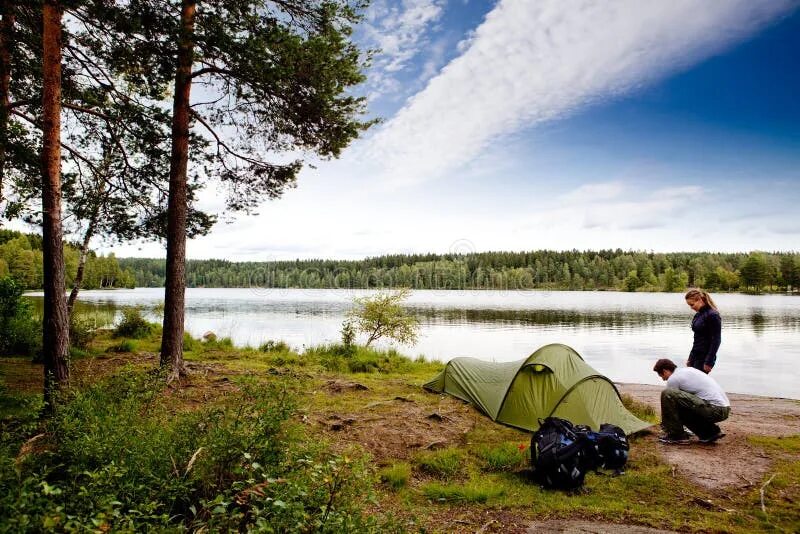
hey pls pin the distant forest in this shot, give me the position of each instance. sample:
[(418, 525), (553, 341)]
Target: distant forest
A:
[(542, 269), (21, 259)]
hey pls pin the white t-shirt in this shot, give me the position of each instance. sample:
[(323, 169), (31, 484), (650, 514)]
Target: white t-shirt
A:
[(698, 383)]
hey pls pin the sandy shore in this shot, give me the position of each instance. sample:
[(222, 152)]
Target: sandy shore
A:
[(733, 461)]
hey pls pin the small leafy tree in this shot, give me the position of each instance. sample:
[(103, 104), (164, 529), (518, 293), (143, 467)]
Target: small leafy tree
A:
[(348, 333), (382, 315)]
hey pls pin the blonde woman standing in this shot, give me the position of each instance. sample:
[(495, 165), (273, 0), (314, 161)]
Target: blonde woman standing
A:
[(707, 328)]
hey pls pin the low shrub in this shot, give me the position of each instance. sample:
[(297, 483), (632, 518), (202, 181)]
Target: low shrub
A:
[(396, 475), (81, 331), (116, 457), (445, 463), (133, 325), (22, 336), (473, 492), (21, 330), (356, 359), (319, 493)]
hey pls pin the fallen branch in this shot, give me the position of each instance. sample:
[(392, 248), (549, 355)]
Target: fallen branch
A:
[(763, 506), (439, 444), (27, 447)]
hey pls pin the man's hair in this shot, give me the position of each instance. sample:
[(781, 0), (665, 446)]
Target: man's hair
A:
[(664, 364)]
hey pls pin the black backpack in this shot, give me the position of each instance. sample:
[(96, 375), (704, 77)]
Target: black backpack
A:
[(562, 453), (612, 447), (559, 454)]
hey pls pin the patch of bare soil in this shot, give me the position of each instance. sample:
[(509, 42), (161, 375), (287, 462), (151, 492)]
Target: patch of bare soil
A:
[(732, 461), (394, 429), (87, 371), (338, 386), (477, 520), (589, 527), (22, 376)]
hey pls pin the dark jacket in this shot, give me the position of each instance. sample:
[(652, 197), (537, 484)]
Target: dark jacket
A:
[(707, 327)]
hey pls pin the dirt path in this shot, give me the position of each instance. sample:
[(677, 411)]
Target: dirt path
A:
[(589, 527), (733, 461)]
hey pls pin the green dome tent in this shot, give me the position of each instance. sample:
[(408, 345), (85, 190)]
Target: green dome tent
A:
[(553, 381)]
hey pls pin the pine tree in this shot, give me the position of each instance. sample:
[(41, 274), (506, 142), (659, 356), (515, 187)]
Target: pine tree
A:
[(275, 73)]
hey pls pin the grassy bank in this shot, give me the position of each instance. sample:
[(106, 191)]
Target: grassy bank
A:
[(335, 439)]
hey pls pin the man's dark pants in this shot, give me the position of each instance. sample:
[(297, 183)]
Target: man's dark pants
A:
[(679, 409)]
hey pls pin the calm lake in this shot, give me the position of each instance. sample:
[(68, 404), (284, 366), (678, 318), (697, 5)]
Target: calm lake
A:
[(620, 334)]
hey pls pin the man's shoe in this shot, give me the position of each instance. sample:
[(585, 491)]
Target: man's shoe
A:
[(713, 438), (674, 440)]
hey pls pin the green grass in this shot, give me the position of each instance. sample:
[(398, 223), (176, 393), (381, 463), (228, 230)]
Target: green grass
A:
[(357, 359), (126, 345), (788, 444), (503, 457), (446, 463), (640, 409), (15, 407), (396, 476), (781, 485), (472, 492)]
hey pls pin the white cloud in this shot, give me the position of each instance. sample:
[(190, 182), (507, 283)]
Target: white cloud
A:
[(594, 192), (618, 207), (643, 211), (535, 61), (399, 30)]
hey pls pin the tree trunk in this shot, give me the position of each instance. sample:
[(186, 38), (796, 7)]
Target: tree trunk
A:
[(56, 320), (6, 42), (175, 285), (99, 197), (78, 283)]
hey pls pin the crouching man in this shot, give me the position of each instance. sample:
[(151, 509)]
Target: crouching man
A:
[(692, 399)]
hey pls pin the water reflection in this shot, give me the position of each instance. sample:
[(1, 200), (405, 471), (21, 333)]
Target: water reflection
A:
[(620, 334), (549, 317)]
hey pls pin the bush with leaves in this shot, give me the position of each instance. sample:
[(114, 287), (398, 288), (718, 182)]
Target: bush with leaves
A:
[(21, 331), (382, 316), (82, 331), (320, 492), (118, 457), (133, 324), (348, 333)]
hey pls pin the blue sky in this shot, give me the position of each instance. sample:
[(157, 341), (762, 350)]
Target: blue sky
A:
[(547, 124)]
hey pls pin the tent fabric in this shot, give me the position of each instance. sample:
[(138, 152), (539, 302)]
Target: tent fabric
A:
[(553, 381)]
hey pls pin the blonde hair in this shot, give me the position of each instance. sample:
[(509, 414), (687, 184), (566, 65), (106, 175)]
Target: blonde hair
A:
[(701, 294)]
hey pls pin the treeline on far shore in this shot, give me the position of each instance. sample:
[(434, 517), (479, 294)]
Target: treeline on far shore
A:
[(21, 259), (542, 269)]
